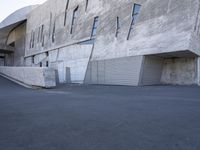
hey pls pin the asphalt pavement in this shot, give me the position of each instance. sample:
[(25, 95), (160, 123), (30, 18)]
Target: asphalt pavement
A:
[(86, 117)]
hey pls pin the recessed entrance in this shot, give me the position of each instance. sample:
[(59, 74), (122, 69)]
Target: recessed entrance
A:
[(171, 68)]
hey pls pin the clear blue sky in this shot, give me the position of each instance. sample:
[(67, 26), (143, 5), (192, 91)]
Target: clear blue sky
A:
[(9, 6)]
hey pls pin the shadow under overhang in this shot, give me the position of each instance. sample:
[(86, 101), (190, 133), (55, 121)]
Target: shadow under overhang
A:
[(4, 32), (178, 54), (6, 49)]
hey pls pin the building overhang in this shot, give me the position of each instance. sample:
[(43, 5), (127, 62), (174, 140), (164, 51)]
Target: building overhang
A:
[(10, 23), (17, 16), (6, 49), (3, 51), (178, 54)]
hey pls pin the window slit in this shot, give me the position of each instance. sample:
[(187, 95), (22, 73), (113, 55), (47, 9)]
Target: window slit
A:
[(31, 36), (135, 13), (47, 63), (66, 8), (117, 27), (43, 41), (94, 28), (50, 24), (86, 5), (33, 42), (53, 33), (42, 33), (74, 17), (38, 38)]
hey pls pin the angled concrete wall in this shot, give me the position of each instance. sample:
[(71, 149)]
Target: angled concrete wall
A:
[(32, 76), (76, 57), (151, 70)]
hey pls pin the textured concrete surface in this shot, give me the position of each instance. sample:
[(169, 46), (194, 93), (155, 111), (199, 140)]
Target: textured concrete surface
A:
[(158, 28), (179, 71), (46, 38), (99, 118), (33, 76)]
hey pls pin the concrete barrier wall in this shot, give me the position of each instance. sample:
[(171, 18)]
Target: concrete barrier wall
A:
[(32, 76)]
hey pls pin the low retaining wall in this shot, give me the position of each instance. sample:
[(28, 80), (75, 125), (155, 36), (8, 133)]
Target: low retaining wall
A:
[(32, 76)]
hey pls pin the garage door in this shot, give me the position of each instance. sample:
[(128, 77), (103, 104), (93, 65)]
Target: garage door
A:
[(120, 71)]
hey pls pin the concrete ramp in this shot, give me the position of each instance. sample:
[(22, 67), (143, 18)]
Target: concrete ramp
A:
[(30, 76)]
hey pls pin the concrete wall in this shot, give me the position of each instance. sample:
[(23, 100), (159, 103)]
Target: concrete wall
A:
[(195, 34), (33, 76), (74, 57), (157, 30), (180, 71)]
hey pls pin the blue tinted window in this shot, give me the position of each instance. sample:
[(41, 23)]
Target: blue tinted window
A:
[(136, 9), (75, 13), (135, 13), (94, 28)]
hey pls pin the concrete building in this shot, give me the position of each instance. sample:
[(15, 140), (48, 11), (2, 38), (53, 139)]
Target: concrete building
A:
[(114, 42)]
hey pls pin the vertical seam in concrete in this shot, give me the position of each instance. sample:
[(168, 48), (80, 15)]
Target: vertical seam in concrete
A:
[(168, 6), (57, 54), (104, 62), (163, 61), (198, 71), (97, 72), (141, 71), (89, 63), (50, 24), (197, 17)]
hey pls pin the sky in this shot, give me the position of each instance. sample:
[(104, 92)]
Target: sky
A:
[(9, 6)]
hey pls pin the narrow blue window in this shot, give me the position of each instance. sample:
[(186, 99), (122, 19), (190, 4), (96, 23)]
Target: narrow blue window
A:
[(74, 17), (94, 28), (135, 14), (66, 8)]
